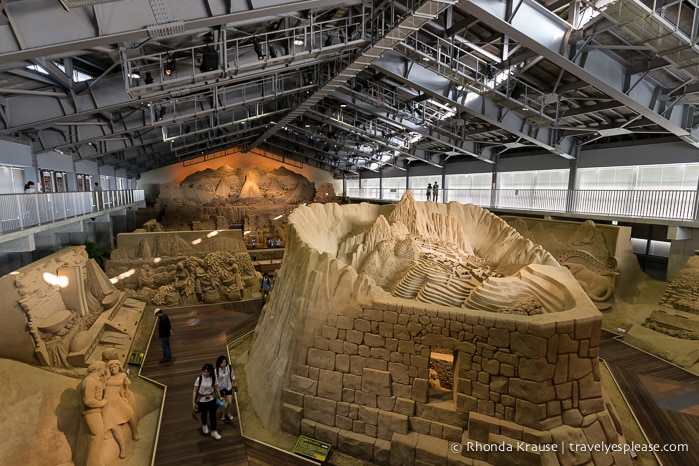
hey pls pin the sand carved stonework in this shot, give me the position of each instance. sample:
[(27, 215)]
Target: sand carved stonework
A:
[(63, 311), (179, 268), (393, 331)]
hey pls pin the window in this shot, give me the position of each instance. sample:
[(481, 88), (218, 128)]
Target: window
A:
[(441, 374)]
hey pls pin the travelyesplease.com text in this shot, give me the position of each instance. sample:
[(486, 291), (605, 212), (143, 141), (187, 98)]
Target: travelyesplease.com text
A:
[(564, 447)]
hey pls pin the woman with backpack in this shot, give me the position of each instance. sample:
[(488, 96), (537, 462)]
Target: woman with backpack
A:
[(204, 399), (226, 384)]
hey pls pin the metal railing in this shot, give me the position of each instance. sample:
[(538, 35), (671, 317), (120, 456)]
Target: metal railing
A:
[(668, 204), (21, 211)]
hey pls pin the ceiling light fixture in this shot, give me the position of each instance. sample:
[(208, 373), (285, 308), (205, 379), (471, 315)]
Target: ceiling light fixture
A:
[(149, 78), (170, 65)]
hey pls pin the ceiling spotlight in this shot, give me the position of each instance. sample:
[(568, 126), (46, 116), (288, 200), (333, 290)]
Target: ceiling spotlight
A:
[(161, 113), (170, 65), (298, 41), (149, 78), (258, 48), (273, 51)]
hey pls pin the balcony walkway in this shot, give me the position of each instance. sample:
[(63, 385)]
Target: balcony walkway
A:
[(676, 207)]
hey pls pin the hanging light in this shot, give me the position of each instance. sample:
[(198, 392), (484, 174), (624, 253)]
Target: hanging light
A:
[(161, 113), (149, 78), (170, 65)]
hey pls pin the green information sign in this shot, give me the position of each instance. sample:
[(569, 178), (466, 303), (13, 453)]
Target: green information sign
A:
[(136, 358), (312, 448)]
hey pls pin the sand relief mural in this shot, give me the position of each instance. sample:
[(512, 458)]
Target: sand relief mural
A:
[(399, 329), (256, 200), (178, 268)]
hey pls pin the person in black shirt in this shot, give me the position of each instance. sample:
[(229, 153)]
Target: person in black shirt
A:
[(164, 332)]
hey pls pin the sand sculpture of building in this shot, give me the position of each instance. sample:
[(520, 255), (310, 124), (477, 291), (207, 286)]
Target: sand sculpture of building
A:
[(394, 331), (63, 311), (169, 268)]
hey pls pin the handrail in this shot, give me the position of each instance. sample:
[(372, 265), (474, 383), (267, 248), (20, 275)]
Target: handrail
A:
[(660, 204), (21, 211)]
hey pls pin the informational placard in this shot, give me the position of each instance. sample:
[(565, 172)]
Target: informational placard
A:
[(312, 448), (136, 358)]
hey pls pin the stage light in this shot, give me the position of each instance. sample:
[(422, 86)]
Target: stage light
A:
[(149, 78), (273, 51), (162, 113), (258, 48), (170, 65)]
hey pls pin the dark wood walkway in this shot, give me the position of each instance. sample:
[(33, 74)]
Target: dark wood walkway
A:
[(664, 398), (200, 335)]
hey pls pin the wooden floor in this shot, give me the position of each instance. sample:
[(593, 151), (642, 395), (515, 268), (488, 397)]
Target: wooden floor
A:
[(200, 335), (664, 398)]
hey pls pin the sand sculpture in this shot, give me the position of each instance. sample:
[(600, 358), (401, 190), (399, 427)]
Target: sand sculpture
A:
[(109, 415), (393, 331), (178, 268), (251, 197), (671, 327), (63, 311), (677, 313), (600, 257)]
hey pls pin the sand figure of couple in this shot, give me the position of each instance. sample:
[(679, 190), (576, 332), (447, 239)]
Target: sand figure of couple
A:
[(107, 401)]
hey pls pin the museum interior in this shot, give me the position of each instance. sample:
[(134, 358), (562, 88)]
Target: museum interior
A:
[(422, 232)]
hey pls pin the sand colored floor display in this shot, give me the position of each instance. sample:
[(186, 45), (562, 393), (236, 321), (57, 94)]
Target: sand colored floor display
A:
[(395, 331)]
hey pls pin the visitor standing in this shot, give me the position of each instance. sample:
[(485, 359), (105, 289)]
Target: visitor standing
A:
[(429, 191), (29, 187), (226, 385), (265, 285), (164, 332), (435, 191), (204, 401)]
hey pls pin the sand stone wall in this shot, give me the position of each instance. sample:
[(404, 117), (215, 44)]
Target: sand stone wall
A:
[(349, 362)]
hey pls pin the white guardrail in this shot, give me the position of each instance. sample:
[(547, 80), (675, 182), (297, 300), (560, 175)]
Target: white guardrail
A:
[(671, 205), (22, 211)]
